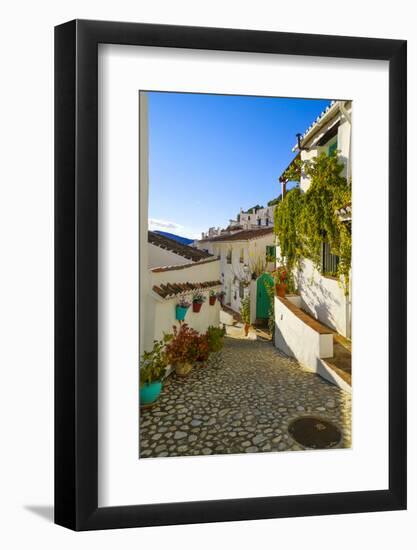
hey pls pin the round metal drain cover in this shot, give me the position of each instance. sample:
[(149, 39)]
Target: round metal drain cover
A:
[(315, 433)]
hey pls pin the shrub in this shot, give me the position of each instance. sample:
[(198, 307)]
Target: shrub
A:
[(202, 346), (215, 337), (182, 348), (153, 363), (245, 310)]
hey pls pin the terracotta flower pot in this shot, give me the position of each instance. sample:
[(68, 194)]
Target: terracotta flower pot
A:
[(197, 306), (212, 300), (281, 289), (183, 369)]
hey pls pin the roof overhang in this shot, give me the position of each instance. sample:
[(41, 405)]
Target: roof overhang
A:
[(318, 124)]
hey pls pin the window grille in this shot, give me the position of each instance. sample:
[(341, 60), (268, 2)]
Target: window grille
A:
[(329, 261)]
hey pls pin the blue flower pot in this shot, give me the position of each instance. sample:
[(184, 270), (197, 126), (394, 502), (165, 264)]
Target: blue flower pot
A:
[(180, 313), (149, 393)]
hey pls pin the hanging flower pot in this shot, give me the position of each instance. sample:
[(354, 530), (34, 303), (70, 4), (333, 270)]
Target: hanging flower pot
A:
[(198, 301), (212, 298), (181, 310)]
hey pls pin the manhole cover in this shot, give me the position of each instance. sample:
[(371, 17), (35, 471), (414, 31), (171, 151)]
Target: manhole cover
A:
[(315, 433)]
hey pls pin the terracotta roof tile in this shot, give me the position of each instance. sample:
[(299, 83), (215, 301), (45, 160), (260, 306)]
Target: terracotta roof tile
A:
[(183, 250), (183, 266), (245, 235), (169, 290)]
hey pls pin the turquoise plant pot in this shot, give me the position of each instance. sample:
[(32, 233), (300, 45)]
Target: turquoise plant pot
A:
[(180, 313), (149, 393)]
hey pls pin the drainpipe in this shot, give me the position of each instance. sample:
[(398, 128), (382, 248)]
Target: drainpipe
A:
[(349, 119)]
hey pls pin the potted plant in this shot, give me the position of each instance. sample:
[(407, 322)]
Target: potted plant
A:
[(181, 309), (215, 338), (198, 301), (220, 296), (212, 298), (202, 351), (281, 280), (181, 350), (151, 372), (245, 313)]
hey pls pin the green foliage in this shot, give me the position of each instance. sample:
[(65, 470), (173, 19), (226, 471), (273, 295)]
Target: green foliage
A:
[(269, 285), (275, 201), (253, 209), (245, 310), (304, 220), (183, 345), (288, 215), (293, 172), (198, 298), (153, 363), (215, 338)]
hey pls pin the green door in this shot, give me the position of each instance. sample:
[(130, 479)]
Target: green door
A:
[(262, 296)]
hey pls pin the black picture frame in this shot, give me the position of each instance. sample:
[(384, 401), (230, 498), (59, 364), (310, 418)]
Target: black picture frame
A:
[(76, 272)]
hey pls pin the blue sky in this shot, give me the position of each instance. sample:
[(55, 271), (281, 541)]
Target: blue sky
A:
[(209, 155)]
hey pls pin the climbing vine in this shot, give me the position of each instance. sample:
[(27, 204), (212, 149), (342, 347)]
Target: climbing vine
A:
[(304, 220)]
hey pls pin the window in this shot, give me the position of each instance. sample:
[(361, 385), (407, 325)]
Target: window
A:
[(241, 290), (329, 261), (270, 253), (229, 257), (259, 221), (266, 221), (241, 257), (332, 148)]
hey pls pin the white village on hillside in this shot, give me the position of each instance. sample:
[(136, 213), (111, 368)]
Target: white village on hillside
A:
[(238, 278)]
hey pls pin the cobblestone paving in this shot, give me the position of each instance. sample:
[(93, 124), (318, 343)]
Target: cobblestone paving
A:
[(242, 402)]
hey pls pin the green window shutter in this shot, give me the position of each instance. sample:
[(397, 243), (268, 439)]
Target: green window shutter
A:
[(270, 252), (332, 148)]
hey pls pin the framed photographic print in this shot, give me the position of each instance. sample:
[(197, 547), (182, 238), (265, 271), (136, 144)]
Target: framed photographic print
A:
[(230, 275)]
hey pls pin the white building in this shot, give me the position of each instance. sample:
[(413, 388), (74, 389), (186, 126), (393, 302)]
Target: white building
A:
[(253, 218), (256, 217), (321, 296), (177, 271), (244, 255)]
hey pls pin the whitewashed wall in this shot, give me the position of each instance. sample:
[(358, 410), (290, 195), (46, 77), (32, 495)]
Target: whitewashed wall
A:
[(343, 146), (253, 251), (159, 316), (164, 318), (196, 272), (158, 257), (324, 298)]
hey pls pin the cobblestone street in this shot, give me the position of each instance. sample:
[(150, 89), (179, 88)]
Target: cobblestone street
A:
[(242, 402)]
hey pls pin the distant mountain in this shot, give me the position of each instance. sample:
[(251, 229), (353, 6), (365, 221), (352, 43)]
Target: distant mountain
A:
[(178, 238)]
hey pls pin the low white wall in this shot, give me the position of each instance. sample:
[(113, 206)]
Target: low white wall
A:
[(297, 339), (323, 297)]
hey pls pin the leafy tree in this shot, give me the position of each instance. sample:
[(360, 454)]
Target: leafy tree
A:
[(304, 220)]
